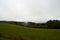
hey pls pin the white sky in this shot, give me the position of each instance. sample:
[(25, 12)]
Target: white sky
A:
[(29, 10)]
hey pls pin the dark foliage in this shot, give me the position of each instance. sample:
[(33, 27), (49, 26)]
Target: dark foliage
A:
[(51, 24)]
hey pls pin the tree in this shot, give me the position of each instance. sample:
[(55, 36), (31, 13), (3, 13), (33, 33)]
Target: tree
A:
[(53, 24)]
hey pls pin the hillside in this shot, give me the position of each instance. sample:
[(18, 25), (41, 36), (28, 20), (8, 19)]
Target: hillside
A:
[(33, 33)]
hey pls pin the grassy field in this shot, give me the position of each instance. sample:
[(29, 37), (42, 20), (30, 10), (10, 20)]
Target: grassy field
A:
[(33, 33)]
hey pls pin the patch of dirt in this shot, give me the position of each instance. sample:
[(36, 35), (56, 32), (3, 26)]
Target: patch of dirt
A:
[(15, 37)]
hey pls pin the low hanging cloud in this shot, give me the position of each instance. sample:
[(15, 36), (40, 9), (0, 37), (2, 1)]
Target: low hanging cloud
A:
[(30, 10)]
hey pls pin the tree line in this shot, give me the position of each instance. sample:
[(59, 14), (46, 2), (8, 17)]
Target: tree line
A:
[(51, 24)]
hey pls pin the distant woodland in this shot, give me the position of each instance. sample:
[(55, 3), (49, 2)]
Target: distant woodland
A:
[(51, 24)]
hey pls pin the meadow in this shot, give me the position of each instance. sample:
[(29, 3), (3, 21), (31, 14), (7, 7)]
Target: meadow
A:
[(32, 33)]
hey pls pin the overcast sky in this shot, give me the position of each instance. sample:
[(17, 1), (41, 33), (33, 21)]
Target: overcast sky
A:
[(30, 10)]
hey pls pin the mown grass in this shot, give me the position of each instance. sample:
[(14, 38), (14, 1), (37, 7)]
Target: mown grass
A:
[(33, 33)]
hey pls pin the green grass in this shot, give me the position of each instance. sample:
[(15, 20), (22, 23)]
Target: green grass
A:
[(33, 33)]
